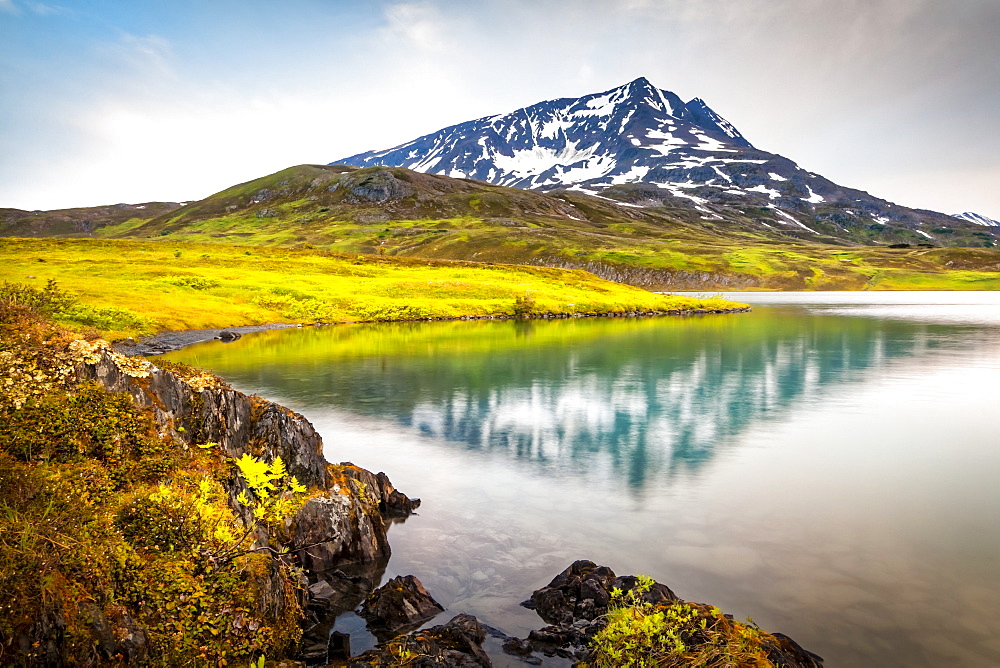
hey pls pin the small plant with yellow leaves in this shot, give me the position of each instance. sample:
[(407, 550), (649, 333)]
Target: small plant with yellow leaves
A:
[(641, 634), (274, 493)]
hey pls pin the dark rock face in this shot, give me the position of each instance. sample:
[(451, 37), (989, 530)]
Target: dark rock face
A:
[(338, 528), (392, 502), (210, 411), (377, 187), (400, 603), (346, 525), (457, 644)]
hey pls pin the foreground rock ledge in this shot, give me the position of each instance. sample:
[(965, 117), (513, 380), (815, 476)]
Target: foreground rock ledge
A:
[(342, 527), (575, 604)]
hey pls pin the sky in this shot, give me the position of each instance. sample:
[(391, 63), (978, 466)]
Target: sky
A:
[(108, 101)]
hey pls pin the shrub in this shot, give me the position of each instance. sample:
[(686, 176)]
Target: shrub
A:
[(49, 300), (638, 633), (165, 521), (390, 311), (193, 282), (524, 306), (88, 422), (65, 307)]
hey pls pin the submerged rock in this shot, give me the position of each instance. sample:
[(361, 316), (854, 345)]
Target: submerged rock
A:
[(400, 603), (333, 593)]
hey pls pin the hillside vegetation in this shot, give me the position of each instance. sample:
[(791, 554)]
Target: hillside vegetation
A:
[(127, 288), (118, 542), (401, 213)]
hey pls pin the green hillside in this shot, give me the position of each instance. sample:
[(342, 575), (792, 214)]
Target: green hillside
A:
[(398, 212)]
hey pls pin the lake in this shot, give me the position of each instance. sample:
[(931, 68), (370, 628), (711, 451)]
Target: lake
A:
[(827, 464)]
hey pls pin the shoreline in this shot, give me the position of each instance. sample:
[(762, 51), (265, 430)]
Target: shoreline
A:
[(173, 340)]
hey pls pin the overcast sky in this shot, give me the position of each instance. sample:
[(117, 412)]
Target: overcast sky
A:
[(109, 101)]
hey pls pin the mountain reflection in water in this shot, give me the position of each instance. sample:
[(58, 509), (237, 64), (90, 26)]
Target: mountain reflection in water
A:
[(647, 398)]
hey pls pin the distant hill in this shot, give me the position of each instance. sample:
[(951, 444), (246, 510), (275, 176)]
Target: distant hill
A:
[(646, 147), (400, 212), (80, 222)]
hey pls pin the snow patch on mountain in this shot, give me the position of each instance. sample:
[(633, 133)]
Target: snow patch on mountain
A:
[(977, 218), (813, 197), (770, 192)]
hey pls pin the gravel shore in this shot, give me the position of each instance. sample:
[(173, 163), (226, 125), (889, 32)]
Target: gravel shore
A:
[(165, 342)]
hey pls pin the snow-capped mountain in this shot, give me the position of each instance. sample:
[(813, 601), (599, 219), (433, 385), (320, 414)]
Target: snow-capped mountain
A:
[(977, 218), (618, 136), (646, 147)]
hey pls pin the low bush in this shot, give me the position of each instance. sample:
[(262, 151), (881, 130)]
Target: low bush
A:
[(641, 634)]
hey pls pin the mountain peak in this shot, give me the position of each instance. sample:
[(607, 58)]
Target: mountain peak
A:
[(622, 135), (642, 84)]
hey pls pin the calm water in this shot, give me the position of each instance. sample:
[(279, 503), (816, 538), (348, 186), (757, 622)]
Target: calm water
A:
[(827, 464)]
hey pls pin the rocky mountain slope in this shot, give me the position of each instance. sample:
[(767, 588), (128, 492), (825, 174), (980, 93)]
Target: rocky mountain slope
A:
[(646, 147)]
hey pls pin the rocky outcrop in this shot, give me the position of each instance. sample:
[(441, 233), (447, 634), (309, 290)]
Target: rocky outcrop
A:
[(457, 644), (583, 592), (344, 524), (373, 187), (399, 604), (576, 601), (197, 408), (655, 280)]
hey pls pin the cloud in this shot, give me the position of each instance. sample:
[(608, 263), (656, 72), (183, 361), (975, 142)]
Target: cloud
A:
[(47, 10), (137, 61), (849, 88), (41, 9), (419, 25)]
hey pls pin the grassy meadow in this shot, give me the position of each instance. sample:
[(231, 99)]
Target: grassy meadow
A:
[(131, 288)]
